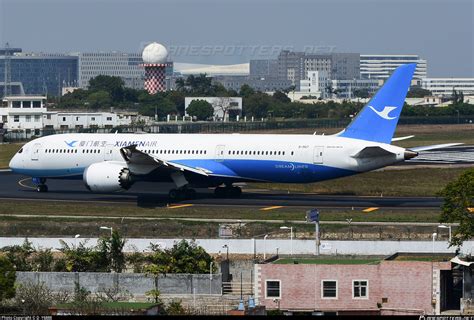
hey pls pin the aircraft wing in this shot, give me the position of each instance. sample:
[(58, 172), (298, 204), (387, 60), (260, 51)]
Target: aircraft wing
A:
[(136, 157), (435, 146)]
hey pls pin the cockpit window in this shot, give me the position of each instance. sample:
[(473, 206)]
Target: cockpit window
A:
[(20, 151)]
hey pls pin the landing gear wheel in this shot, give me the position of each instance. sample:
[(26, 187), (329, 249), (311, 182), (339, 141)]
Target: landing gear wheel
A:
[(235, 192), (42, 188), (220, 192), (174, 194)]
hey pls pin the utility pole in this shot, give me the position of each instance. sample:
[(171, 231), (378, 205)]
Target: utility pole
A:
[(7, 71)]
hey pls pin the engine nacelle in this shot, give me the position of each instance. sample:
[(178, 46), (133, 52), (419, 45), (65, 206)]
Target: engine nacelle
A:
[(107, 177)]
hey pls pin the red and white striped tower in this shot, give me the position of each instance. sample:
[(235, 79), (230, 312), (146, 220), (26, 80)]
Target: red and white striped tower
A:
[(154, 60)]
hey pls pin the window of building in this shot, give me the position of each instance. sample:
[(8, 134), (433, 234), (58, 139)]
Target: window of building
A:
[(37, 118), (272, 289), (109, 118), (36, 104), (28, 118), (360, 289), (64, 118), (26, 104), (329, 289), (16, 104), (93, 119), (16, 118)]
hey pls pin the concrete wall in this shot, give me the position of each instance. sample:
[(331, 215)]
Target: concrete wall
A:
[(135, 283), (270, 246)]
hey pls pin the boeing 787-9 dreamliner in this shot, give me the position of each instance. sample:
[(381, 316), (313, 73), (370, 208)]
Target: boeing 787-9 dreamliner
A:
[(113, 162)]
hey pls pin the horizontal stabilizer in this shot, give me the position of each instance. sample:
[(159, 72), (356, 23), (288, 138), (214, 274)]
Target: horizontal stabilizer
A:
[(402, 138), (372, 152), (435, 146)]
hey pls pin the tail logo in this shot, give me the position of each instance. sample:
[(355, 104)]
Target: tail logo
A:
[(384, 113)]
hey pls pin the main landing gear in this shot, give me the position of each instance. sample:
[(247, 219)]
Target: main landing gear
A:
[(182, 194), (227, 192), (40, 184)]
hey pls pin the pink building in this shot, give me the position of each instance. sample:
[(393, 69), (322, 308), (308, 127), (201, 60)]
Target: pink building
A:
[(387, 288)]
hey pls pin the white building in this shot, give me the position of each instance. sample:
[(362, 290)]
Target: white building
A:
[(22, 112), (316, 84), (29, 115), (222, 105), (381, 66), (346, 88), (445, 86), (60, 120)]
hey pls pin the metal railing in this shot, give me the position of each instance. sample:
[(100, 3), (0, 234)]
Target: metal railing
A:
[(237, 288)]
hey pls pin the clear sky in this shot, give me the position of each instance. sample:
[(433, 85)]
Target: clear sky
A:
[(231, 31)]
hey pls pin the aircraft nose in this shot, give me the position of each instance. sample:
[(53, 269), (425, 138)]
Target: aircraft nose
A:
[(16, 162), (13, 163)]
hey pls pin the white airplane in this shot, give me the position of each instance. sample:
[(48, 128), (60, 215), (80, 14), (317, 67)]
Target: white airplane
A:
[(113, 162)]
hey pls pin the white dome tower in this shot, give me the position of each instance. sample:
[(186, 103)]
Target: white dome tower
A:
[(154, 60)]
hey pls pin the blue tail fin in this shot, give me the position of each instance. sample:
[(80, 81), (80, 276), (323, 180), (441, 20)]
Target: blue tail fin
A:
[(378, 119)]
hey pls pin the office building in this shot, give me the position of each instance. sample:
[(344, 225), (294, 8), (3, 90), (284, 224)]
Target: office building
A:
[(381, 66), (294, 66), (263, 84), (263, 68), (118, 64), (347, 89), (39, 73), (315, 84), (445, 86)]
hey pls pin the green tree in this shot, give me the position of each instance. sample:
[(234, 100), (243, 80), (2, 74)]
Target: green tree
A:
[(281, 96), (111, 249), (246, 91), (201, 109), (114, 86), (458, 198), (99, 99), (83, 258), (418, 92), (7, 279), (361, 93), (21, 256), (43, 260)]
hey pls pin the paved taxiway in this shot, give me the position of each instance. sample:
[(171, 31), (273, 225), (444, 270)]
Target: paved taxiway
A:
[(144, 194)]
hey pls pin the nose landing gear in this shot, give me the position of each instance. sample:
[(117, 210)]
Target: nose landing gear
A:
[(40, 184)]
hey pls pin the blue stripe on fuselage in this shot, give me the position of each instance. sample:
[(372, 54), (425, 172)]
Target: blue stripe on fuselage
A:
[(259, 170), (269, 170)]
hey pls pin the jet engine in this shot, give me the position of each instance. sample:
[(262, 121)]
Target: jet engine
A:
[(107, 177)]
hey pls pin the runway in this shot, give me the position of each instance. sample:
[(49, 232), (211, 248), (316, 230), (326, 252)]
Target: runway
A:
[(146, 194)]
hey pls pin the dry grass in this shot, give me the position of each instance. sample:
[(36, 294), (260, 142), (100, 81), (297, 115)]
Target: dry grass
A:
[(409, 182)]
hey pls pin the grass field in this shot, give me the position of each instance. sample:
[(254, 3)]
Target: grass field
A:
[(6, 153), (89, 227), (406, 182), (283, 214)]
